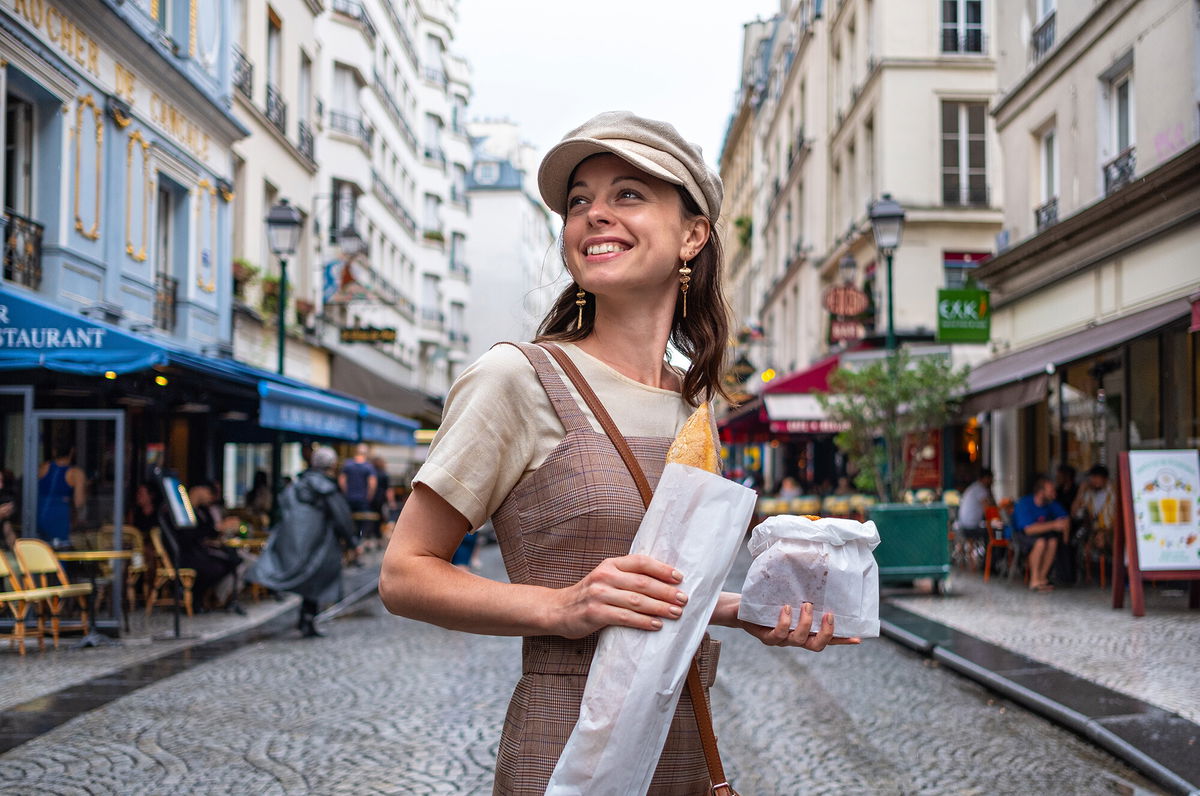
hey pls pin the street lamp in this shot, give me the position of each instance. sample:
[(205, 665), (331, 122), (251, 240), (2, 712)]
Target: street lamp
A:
[(887, 221), (283, 235), (848, 267), (350, 243)]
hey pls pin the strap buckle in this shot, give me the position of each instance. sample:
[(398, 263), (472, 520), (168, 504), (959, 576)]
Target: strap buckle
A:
[(728, 789)]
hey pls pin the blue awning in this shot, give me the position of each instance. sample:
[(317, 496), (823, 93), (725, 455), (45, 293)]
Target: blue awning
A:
[(35, 334), (386, 428), (307, 411)]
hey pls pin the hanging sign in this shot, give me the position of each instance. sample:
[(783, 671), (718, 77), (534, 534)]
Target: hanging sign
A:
[(1160, 538), (964, 316), (845, 300), (368, 334)]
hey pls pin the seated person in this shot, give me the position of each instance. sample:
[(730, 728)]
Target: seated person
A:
[(1094, 506), (200, 548), (1040, 521), (975, 500)]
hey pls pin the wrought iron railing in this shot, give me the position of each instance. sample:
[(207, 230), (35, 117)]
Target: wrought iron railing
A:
[(351, 125), (1046, 215), (1042, 38), (1119, 171), (397, 114), (165, 290), (355, 10), (435, 153), (460, 270), (243, 73), (276, 108), (23, 250), (432, 318), (435, 76), (457, 338), (393, 203), (304, 140)]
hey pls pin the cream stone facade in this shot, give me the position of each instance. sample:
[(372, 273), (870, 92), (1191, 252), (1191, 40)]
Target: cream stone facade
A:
[(1092, 353)]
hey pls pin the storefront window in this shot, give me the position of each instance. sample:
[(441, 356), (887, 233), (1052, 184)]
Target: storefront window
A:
[(1092, 392), (1145, 410), (1181, 398)]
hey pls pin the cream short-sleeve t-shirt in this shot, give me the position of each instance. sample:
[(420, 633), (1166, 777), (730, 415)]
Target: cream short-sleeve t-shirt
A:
[(499, 426)]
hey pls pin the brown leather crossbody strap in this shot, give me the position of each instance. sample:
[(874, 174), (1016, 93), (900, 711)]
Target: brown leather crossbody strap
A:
[(708, 739)]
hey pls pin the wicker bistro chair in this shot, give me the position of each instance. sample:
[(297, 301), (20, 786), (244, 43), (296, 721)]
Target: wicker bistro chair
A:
[(165, 574), (135, 568), (43, 570), (18, 600)]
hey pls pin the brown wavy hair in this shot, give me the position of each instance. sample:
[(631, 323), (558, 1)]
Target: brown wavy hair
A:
[(702, 336)]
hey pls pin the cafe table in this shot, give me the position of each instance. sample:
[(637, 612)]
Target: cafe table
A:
[(94, 638)]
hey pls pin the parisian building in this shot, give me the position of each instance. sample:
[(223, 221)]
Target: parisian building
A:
[(1094, 285), (515, 270), (842, 103)]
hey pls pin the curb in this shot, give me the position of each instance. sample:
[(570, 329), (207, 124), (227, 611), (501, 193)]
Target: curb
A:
[(938, 642)]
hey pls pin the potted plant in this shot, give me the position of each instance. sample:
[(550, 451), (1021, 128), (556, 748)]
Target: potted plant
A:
[(244, 273), (270, 295), (435, 235), (881, 405), (304, 309)]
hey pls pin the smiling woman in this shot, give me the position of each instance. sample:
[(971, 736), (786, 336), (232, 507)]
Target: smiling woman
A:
[(525, 440)]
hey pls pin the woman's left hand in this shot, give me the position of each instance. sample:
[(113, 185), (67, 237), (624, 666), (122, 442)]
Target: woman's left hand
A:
[(780, 636)]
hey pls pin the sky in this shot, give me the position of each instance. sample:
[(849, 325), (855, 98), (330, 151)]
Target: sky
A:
[(549, 65)]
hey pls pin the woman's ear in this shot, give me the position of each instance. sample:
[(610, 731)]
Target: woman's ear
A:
[(694, 240)]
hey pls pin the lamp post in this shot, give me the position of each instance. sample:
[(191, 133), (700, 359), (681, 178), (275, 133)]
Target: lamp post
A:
[(283, 235), (887, 221)]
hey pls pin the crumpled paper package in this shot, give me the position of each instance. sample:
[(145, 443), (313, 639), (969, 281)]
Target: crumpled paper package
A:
[(695, 523), (826, 562)]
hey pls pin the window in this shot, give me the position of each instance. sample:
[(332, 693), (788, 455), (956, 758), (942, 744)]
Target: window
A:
[(274, 48), (962, 26), (433, 214), (345, 90), (18, 156), (959, 267), (1049, 157), (964, 169), (169, 249), (304, 89), (343, 209)]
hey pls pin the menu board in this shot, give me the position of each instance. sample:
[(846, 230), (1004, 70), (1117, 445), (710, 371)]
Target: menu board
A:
[(1165, 486)]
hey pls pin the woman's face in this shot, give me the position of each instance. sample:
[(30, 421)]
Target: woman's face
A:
[(625, 230)]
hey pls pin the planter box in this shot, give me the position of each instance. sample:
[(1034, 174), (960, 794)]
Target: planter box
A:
[(914, 541)]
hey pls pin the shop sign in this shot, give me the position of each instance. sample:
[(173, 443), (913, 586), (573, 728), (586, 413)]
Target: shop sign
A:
[(964, 316), (1165, 487), (808, 426), (845, 300), (843, 330), (24, 334), (368, 334)]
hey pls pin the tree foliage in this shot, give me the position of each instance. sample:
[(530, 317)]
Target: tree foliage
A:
[(887, 400)]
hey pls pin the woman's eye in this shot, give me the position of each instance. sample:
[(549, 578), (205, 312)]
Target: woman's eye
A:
[(574, 201), (628, 193)]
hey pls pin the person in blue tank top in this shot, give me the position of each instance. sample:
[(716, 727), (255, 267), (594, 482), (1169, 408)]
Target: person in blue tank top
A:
[(61, 487)]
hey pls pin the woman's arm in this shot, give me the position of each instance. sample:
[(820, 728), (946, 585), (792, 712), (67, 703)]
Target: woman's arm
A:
[(417, 581)]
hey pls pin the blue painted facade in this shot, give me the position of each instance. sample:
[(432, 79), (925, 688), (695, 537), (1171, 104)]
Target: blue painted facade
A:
[(119, 162)]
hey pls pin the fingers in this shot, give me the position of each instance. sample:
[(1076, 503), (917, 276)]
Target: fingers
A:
[(783, 636)]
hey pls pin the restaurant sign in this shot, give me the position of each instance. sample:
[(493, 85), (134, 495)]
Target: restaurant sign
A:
[(1165, 487), (368, 334), (808, 426), (964, 316)]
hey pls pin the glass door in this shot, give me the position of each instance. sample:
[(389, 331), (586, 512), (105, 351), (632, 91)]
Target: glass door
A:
[(81, 485)]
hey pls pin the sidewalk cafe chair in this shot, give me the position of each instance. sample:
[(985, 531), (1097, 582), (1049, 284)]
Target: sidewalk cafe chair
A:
[(995, 539), (42, 570), (18, 600), (165, 575), (135, 567)]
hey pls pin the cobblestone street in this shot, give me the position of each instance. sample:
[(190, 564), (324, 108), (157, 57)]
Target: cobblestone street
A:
[(384, 705)]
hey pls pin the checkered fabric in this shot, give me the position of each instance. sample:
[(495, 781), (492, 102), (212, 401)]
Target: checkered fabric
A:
[(579, 508)]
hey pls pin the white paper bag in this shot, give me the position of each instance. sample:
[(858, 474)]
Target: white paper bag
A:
[(826, 562), (694, 523)]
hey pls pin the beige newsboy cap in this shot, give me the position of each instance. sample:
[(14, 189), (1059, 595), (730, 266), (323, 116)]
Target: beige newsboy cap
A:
[(656, 148)]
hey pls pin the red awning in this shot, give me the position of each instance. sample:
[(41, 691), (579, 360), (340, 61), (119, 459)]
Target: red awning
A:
[(744, 424), (815, 379)]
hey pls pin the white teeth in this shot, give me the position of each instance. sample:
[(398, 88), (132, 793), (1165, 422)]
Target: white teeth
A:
[(606, 248)]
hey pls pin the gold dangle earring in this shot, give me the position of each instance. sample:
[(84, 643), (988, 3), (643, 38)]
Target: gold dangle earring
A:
[(580, 300), (685, 276)]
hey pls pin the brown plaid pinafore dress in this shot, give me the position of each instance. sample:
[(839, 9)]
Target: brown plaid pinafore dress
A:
[(579, 508)]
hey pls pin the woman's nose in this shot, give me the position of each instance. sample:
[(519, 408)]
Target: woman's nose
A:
[(598, 213)]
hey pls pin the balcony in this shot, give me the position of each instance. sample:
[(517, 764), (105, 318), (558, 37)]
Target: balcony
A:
[(458, 339), (460, 270), (393, 203), (276, 109), (1047, 215), (434, 235), (435, 76), (23, 250), (165, 290), (459, 196), (1118, 172), (393, 108), (436, 154), (353, 126), (432, 318), (355, 11), (304, 140), (243, 74), (1042, 39)]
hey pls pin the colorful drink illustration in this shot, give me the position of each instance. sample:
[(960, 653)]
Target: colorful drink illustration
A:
[(1185, 511), (1170, 510), (1154, 512)]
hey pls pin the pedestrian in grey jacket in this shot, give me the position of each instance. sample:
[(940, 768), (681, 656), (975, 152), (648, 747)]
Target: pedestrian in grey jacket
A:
[(304, 556)]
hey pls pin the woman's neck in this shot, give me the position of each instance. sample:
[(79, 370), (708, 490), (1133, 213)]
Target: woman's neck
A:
[(633, 342)]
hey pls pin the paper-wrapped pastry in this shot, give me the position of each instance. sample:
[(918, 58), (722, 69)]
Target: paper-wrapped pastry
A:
[(823, 561)]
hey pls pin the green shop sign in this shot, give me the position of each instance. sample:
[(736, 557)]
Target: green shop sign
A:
[(964, 316)]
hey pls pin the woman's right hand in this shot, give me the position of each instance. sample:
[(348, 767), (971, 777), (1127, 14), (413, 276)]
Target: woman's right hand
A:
[(630, 591)]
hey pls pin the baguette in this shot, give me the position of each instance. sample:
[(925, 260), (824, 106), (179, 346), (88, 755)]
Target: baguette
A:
[(696, 444)]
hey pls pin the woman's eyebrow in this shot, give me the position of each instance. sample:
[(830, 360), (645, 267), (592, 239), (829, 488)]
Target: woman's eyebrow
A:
[(629, 177)]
